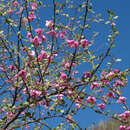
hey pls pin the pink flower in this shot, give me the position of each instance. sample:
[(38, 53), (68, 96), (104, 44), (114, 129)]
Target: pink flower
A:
[(121, 100), (101, 106), (49, 24), (110, 75), (39, 31), (12, 67), (36, 41), (119, 83), (87, 75), (60, 96), (43, 38), (42, 56), (34, 6), (128, 128), (63, 77), (15, 3), (31, 17), (122, 127), (77, 106), (62, 34), (116, 71), (95, 85), (110, 94), (85, 43), (91, 99), (23, 74), (105, 82), (73, 44), (29, 35), (10, 11), (53, 33), (67, 65), (127, 114)]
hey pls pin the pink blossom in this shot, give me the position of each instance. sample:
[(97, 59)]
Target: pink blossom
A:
[(43, 38), (119, 83), (101, 106), (95, 85), (2, 69), (31, 17), (110, 94), (128, 128), (35, 93), (29, 35), (12, 67), (77, 106), (23, 74), (53, 33), (36, 41), (84, 43), (78, 100), (9, 115), (15, 3), (49, 24), (87, 75), (127, 114), (121, 100), (122, 127), (42, 55), (91, 99), (110, 75), (62, 34), (10, 11), (39, 31), (73, 44), (63, 77), (105, 82), (116, 71), (34, 6), (67, 65), (60, 96)]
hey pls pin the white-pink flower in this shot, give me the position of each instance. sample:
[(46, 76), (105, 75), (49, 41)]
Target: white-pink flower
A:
[(101, 106), (49, 24)]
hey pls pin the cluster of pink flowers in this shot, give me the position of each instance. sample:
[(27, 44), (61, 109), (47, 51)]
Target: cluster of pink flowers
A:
[(34, 6), (125, 115), (62, 34), (119, 83), (10, 11), (37, 40), (23, 74), (101, 106), (49, 24), (63, 77), (111, 94), (91, 99), (122, 127), (73, 44), (15, 3), (59, 96), (31, 16), (53, 33), (121, 100), (42, 56), (85, 43), (95, 85), (87, 75), (12, 67)]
